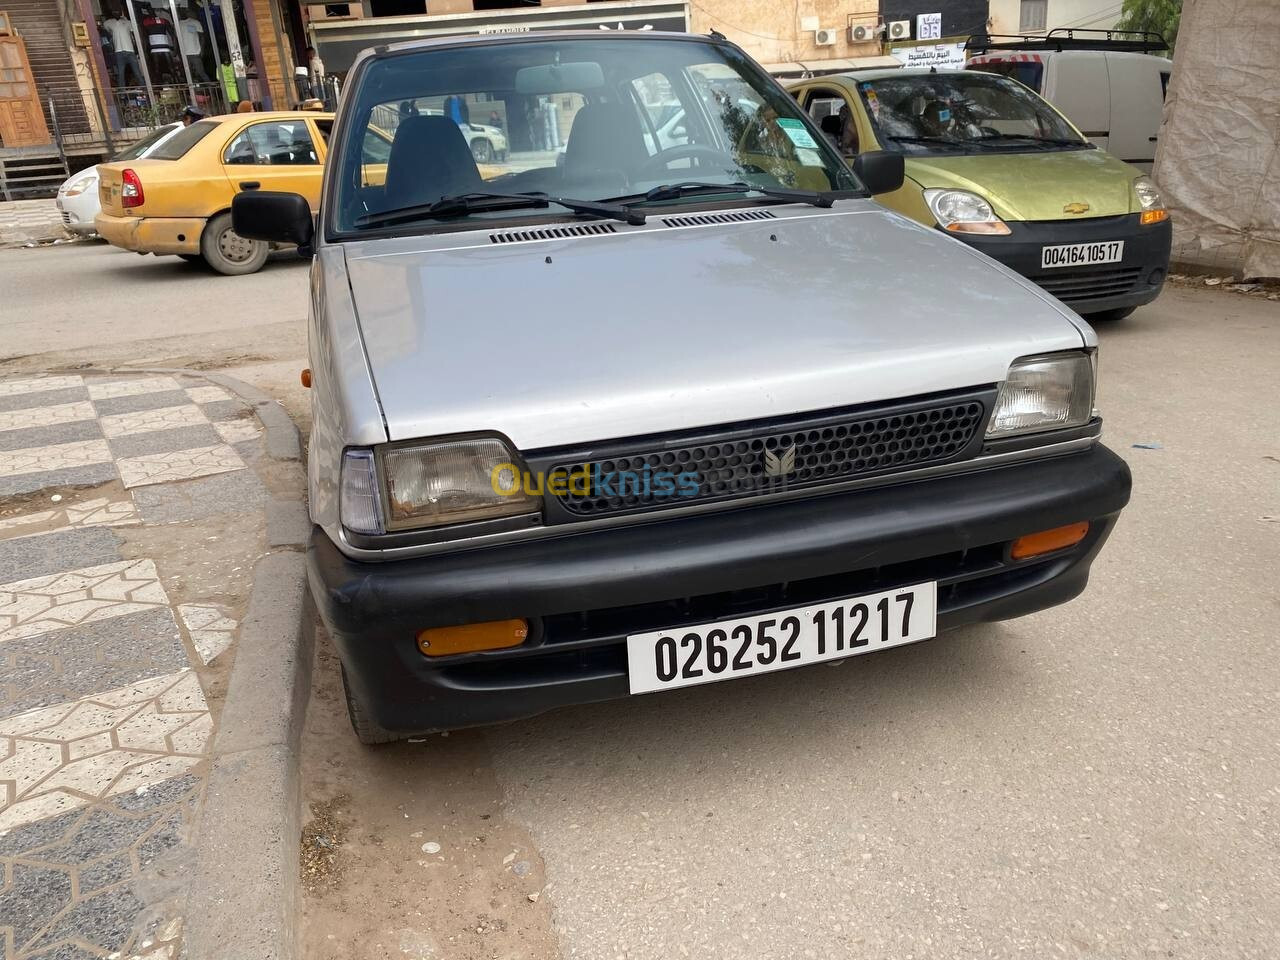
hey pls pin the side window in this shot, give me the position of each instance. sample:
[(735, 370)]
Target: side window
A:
[(325, 127), (1164, 84), (274, 143), (833, 114), (665, 121)]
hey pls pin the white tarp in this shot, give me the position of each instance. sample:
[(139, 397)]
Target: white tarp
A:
[(1218, 157)]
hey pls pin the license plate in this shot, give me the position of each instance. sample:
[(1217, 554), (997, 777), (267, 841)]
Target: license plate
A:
[(1081, 254), (709, 652)]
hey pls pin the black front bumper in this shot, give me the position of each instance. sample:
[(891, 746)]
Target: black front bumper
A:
[(585, 591), (1133, 281)]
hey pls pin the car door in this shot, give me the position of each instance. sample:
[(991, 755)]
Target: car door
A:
[(282, 154)]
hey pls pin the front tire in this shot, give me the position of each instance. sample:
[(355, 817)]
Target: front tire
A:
[(368, 731), (482, 150), (228, 252)]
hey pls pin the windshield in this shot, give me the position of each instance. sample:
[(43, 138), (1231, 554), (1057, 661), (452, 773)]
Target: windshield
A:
[(143, 145), (963, 113), (580, 119)]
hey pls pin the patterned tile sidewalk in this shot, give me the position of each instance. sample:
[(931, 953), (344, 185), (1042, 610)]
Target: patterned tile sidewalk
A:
[(131, 510)]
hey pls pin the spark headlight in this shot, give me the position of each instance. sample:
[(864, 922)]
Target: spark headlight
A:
[(433, 484), (1044, 393), (1149, 199), (959, 211)]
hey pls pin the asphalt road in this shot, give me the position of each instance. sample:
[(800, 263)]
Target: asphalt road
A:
[(1099, 780)]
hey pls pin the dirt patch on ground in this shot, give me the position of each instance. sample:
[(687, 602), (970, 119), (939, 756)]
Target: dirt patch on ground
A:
[(430, 866), (322, 838)]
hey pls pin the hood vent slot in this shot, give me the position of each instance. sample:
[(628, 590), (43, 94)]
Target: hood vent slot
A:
[(706, 219), (552, 233)]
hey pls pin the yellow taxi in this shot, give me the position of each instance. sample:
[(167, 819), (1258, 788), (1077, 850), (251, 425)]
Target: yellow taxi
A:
[(178, 200)]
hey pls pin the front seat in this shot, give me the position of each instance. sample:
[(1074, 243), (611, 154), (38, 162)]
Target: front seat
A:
[(605, 147), (429, 159)]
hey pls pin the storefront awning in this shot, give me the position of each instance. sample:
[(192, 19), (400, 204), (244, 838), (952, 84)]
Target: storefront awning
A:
[(816, 68)]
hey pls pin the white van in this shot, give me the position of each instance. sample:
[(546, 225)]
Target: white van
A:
[(1111, 87)]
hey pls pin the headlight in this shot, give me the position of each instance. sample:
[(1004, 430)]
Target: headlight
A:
[(1044, 393), (79, 185), (1149, 200), (457, 481), (960, 211)]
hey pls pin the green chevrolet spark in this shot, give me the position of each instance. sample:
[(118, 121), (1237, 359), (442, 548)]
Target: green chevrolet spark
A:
[(990, 162)]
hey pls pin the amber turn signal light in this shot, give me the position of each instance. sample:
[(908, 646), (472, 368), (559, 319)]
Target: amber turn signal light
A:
[(1047, 541), (305, 377), (470, 637), (1154, 216)]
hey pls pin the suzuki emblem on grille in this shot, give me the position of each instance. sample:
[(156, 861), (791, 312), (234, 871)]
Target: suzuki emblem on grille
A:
[(1076, 207), (781, 463)]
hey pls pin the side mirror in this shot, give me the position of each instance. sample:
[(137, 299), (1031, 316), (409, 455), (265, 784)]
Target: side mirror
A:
[(274, 217), (879, 170)]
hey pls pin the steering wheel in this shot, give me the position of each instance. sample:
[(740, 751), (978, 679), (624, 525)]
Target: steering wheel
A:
[(659, 162)]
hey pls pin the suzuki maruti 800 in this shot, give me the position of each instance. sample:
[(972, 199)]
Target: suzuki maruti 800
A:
[(665, 409)]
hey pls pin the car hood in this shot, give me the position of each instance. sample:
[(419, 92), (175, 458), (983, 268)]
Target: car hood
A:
[(1035, 186), (648, 329)]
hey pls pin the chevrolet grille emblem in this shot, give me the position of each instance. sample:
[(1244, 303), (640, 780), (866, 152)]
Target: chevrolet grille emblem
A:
[(781, 463), (1076, 207)]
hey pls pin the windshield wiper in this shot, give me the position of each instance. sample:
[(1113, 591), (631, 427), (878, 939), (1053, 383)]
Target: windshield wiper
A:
[(928, 141), (1051, 141), (673, 191), (460, 204)]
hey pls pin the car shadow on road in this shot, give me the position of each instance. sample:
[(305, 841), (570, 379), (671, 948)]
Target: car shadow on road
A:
[(165, 269), (767, 722)]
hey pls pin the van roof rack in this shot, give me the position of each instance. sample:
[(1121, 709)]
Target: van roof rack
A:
[(1071, 38)]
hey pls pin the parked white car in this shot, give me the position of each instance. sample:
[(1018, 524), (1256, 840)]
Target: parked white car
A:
[(1108, 83), (78, 196)]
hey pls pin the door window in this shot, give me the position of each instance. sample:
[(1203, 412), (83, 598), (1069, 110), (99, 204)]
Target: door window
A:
[(833, 115), (275, 143)]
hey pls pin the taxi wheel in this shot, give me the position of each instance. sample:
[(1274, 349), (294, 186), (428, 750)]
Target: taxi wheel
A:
[(228, 252), (368, 731), (482, 151)]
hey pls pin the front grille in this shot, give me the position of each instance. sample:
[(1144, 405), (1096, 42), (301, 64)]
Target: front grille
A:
[(66, 218), (1092, 284), (767, 457)]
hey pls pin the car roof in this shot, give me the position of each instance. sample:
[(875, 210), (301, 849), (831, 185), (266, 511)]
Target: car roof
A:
[(882, 73), (499, 39), (272, 115)]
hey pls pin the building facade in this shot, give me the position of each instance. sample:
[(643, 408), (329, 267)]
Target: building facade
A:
[(1040, 16)]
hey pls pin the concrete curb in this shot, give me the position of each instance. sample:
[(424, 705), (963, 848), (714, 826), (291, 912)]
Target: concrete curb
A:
[(242, 893)]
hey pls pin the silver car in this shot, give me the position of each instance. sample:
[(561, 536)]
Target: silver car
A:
[(720, 414)]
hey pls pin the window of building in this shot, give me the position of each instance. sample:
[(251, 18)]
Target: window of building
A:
[(397, 8), (1033, 16), (504, 4)]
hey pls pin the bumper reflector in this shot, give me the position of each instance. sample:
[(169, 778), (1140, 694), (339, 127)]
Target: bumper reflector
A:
[(1047, 541), (470, 637)]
